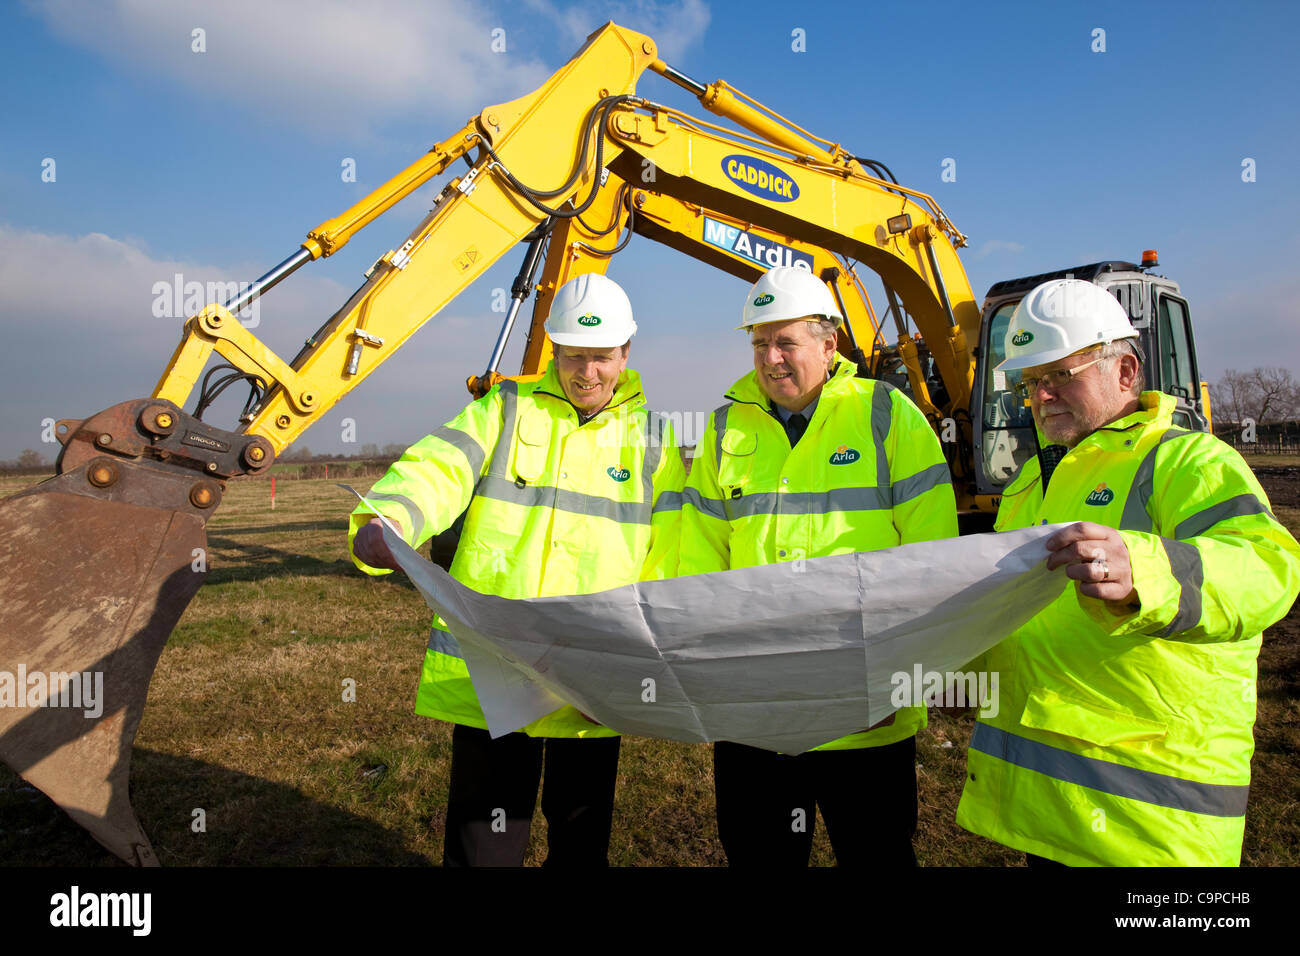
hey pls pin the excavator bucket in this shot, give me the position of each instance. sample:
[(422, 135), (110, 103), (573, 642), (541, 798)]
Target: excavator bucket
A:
[(96, 566)]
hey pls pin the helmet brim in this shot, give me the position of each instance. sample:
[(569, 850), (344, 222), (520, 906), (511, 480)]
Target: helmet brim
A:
[(837, 319), (1017, 362), (584, 341)]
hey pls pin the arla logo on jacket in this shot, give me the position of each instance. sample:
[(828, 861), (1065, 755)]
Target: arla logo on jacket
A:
[(844, 455), (1020, 338), (617, 473), (1101, 495), (589, 319), (765, 299)]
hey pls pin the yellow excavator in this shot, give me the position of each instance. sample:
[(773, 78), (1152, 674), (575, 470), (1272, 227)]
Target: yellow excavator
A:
[(98, 563)]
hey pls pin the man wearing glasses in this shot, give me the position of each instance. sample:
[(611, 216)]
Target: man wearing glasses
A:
[(1123, 733)]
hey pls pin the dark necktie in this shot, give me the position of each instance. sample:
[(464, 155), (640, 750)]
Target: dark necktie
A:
[(795, 426)]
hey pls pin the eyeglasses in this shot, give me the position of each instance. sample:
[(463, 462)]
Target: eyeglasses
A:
[(1056, 379)]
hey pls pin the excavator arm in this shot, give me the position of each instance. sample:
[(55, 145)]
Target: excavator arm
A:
[(557, 168), (533, 153)]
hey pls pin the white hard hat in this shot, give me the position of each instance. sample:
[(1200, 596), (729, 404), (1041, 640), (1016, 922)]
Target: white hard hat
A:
[(786, 293), (1060, 317), (590, 311)]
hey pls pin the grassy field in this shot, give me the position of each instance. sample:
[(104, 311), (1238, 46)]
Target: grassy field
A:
[(246, 721)]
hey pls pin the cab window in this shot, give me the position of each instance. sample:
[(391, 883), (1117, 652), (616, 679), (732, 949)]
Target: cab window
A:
[(1002, 408), (1175, 360)]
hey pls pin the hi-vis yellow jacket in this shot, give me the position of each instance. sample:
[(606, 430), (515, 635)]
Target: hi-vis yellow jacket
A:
[(1126, 740), (867, 474), (554, 508)]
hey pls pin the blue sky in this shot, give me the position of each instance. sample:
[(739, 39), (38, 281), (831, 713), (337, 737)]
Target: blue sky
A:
[(215, 165)]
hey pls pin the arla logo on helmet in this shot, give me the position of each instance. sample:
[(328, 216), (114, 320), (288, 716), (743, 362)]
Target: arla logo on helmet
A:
[(617, 473), (1022, 338), (1101, 495), (589, 319), (765, 299)]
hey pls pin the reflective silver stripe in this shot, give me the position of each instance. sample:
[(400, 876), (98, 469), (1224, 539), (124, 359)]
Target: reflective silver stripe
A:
[(671, 501), (1185, 564), (509, 407), (710, 506), (808, 502), (654, 438), (417, 516), (471, 449), (1202, 521), (719, 429), (441, 642), (561, 499), (1214, 799), (920, 483), (881, 416), (1135, 516)]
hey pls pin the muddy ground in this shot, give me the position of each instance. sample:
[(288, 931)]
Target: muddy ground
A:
[(1273, 835), (1282, 483)]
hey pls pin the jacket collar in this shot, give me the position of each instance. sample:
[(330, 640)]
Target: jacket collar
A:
[(1153, 408), (748, 390), (627, 392)]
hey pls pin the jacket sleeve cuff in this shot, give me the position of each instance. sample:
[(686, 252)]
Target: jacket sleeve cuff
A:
[(1157, 591), (360, 517)]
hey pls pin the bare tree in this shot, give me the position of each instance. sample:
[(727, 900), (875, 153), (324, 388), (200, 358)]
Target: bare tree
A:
[(1279, 395), (1228, 397), (1263, 395), (30, 458)]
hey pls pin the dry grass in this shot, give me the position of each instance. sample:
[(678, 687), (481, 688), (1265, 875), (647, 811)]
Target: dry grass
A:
[(1262, 460), (246, 721)]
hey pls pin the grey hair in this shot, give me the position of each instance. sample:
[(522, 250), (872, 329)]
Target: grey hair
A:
[(1116, 349), (822, 328)]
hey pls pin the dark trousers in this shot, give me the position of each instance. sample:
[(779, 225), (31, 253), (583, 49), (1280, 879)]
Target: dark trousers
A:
[(494, 790), (767, 804)]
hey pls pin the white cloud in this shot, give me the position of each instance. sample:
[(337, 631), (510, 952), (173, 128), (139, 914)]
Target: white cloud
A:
[(81, 329), (675, 27), (324, 64), (78, 284), (991, 246), (81, 336)]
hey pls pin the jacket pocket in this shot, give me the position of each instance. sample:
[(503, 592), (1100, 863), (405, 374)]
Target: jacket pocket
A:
[(532, 446), (737, 462), (1086, 720)]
